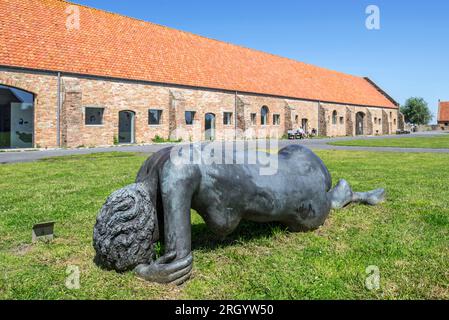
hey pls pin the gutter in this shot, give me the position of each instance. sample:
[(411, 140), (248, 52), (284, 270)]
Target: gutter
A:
[(318, 125), (58, 113), (235, 112)]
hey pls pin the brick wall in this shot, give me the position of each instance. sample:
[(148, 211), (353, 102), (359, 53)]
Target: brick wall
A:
[(252, 104), (443, 125), (299, 110), (334, 119), (114, 96)]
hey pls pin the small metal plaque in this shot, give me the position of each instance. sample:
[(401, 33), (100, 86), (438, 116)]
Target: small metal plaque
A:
[(43, 232)]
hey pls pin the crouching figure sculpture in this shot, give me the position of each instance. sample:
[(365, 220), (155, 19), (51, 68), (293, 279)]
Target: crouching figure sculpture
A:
[(157, 207)]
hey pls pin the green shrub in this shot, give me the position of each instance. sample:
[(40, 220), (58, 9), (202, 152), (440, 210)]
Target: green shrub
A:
[(159, 139)]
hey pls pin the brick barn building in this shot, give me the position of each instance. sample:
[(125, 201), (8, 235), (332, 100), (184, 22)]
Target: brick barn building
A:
[(76, 76), (443, 115)]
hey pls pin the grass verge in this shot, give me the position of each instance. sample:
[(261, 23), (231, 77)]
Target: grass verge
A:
[(406, 238), (433, 142)]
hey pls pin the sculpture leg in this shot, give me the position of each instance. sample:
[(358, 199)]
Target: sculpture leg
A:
[(342, 195)]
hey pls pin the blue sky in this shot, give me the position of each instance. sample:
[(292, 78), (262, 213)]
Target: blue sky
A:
[(408, 56)]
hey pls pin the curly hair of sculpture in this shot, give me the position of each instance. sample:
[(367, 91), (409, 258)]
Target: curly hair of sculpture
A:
[(157, 207), (126, 231)]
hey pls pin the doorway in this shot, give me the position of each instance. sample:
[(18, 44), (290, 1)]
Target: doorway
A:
[(210, 126), (360, 123), (126, 127), (16, 118), (305, 124)]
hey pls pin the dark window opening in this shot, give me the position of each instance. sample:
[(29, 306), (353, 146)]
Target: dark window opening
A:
[(334, 117), (227, 118), (154, 116), (190, 117), (276, 119), (253, 118), (264, 116), (94, 116)]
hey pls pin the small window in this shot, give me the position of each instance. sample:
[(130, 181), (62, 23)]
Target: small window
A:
[(334, 117), (154, 116), (94, 116), (190, 117), (297, 119), (227, 118), (253, 118), (394, 121), (276, 119), (446, 124), (391, 115), (375, 120), (380, 121), (342, 120)]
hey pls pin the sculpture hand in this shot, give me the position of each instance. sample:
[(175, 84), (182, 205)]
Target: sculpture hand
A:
[(167, 269)]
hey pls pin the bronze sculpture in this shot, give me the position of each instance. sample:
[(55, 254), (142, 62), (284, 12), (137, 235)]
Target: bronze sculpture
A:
[(157, 207)]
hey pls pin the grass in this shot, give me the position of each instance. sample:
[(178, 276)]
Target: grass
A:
[(406, 237), (435, 142), (4, 139)]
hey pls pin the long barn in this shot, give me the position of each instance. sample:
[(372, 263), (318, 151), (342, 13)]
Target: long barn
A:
[(75, 76)]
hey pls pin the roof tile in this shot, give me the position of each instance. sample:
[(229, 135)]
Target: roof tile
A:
[(33, 34)]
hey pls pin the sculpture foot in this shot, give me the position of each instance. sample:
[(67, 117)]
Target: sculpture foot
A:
[(342, 195), (371, 198)]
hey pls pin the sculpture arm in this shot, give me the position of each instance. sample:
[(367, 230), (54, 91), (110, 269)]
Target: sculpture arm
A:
[(175, 266)]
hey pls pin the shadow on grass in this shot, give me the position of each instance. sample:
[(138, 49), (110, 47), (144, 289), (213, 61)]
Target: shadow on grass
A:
[(204, 239)]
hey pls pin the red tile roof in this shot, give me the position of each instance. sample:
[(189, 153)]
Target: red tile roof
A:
[(33, 34), (443, 111)]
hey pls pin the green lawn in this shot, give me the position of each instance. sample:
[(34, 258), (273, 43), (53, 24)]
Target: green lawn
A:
[(406, 237), (4, 139), (434, 142)]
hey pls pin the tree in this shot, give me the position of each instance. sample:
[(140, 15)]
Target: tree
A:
[(416, 111)]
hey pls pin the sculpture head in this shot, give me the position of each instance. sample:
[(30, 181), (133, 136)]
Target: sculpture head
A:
[(126, 230)]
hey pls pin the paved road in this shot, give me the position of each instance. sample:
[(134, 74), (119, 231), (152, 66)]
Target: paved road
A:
[(317, 144), (323, 144)]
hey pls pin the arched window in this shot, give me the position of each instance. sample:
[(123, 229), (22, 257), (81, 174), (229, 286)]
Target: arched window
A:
[(264, 115), (334, 117), (16, 118)]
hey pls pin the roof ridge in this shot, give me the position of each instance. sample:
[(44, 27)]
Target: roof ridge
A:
[(212, 39)]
